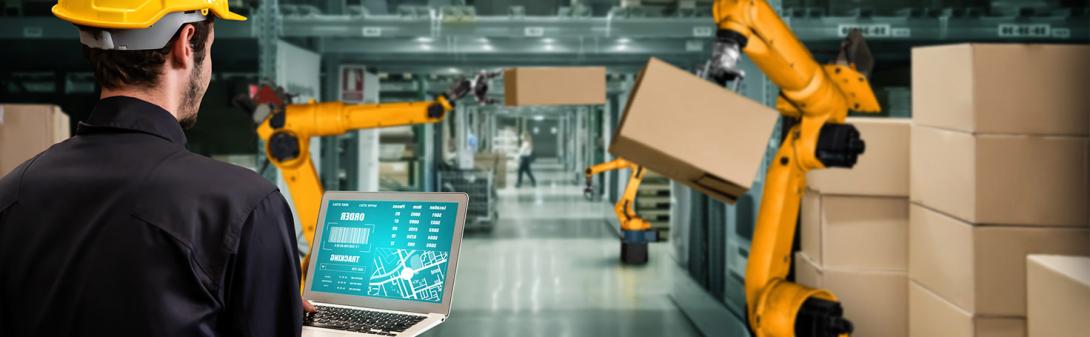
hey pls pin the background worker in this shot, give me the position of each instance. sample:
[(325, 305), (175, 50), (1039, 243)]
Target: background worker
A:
[(120, 230), (526, 157)]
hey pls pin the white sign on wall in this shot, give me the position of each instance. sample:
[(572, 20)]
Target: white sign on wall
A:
[(880, 30), (352, 83), (1041, 30)]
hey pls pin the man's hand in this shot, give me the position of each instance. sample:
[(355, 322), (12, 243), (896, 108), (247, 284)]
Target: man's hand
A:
[(307, 307)]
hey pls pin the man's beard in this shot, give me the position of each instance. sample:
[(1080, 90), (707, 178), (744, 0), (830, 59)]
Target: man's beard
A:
[(191, 99)]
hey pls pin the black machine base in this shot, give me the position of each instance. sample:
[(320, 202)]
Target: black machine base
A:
[(634, 253)]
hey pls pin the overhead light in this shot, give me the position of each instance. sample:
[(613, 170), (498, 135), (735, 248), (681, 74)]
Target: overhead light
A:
[(424, 39), (483, 40), (621, 48), (548, 40), (487, 47), (550, 47), (453, 70), (624, 40), (539, 118), (425, 47)]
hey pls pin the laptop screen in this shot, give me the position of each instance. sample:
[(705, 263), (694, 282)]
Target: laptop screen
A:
[(387, 249)]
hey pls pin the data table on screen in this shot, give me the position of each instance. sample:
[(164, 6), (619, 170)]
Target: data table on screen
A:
[(387, 249)]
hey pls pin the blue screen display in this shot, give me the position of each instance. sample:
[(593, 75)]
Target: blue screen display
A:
[(387, 249)]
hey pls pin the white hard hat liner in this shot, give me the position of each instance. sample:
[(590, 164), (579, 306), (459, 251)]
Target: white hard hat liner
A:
[(151, 38)]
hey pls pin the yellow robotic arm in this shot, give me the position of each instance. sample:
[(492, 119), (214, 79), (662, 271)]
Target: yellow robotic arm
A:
[(625, 208), (816, 100), (636, 232), (287, 139), (289, 128)]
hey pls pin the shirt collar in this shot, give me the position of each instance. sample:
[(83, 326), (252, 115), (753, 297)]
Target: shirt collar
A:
[(121, 112)]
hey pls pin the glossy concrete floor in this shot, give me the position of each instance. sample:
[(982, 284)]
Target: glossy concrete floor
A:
[(550, 268)]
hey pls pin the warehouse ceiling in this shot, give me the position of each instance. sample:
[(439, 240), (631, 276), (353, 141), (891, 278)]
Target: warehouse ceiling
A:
[(454, 37), (674, 7)]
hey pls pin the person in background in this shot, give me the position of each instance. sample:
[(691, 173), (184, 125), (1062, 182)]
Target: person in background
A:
[(526, 156)]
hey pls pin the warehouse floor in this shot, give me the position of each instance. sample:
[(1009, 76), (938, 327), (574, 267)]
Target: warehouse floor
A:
[(550, 268)]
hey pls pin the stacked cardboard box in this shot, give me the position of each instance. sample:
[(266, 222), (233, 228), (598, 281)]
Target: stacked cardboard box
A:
[(999, 170), (26, 130), (1058, 296), (855, 231), (395, 171)]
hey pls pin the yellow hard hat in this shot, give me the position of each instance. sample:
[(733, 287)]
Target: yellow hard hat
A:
[(135, 14)]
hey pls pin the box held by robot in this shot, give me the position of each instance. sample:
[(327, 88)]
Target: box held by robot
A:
[(694, 131)]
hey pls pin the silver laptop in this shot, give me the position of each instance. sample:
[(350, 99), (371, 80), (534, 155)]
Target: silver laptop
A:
[(384, 263)]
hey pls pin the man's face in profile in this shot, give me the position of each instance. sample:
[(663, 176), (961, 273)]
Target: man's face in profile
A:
[(199, 79)]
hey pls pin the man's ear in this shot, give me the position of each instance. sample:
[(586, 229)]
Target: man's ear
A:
[(181, 54)]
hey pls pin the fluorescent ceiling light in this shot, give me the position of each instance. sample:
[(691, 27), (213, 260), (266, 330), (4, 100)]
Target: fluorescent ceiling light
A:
[(624, 40), (424, 39), (487, 47), (548, 40), (539, 118), (549, 47)]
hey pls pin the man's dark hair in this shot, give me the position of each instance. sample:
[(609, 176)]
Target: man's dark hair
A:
[(116, 68)]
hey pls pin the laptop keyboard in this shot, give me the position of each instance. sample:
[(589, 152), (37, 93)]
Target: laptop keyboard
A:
[(357, 320)]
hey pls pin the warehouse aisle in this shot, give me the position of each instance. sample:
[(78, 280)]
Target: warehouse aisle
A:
[(550, 268)]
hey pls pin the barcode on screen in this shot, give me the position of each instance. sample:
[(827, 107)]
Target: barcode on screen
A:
[(350, 235)]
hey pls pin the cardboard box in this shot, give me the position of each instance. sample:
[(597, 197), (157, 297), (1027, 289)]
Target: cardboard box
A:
[(29, 129), (807, 272), (810, 217), (554, 86), (852, 232), (882, 170), (497, 162), (395, 171), (1002, 179), (929, 316), (875, 302), (982, 269), (1058, 295), (694, 132), (1002, 88)]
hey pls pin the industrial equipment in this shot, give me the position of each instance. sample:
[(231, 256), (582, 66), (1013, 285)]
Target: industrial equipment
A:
[(814, 101), (636, 232), (480, 184), (287, 130)]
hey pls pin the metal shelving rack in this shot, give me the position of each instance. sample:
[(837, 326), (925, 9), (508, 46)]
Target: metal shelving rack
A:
[(479, 184), (653, 203)]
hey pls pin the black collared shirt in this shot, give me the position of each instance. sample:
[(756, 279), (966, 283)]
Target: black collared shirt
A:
[(121, 231)]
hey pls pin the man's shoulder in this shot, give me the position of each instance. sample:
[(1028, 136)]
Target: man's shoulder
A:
[(9, 187), (195, 198), (203, 203), (205, 177), (10, 183)]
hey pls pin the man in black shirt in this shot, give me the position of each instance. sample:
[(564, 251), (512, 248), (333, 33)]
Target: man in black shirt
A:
[(120, 231)]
